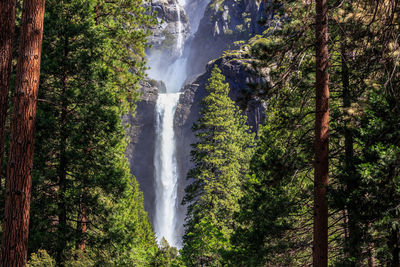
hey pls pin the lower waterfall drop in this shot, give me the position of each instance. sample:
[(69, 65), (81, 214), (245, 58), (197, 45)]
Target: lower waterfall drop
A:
[(166, 170), (166, 222)]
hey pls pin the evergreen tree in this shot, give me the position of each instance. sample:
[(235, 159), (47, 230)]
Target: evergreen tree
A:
[(84, 199), (362, 229), (221, 157), (20, 162), (321, 165), (363, 83), (7, 25), (275, 214)]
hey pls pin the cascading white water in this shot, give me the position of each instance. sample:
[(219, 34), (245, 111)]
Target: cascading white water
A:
[(179, 41), (166, 173), (166, 169), (168, 219)]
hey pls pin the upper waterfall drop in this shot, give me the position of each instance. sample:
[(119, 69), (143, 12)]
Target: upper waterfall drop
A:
[(179, 41)]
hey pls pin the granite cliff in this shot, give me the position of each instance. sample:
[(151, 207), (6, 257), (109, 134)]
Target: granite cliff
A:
[(240, 74), (223, 23)]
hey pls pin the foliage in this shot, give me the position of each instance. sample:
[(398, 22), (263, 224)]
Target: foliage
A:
[(249, 204), (364, 153), (221, 158), (41, 259), (83, 195), (167, 256)]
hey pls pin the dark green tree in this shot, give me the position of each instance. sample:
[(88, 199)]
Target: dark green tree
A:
[(362, 221), (84, 199), (275, 214), (221, 157)]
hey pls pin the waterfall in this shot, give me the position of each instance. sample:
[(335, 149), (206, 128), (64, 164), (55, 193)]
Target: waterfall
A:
[(165, 163), (168, 217), (166, 170), (179, 40)]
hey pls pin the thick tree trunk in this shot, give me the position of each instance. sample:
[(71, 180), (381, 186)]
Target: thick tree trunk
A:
[(19, 171), (321, 169), (62, 168), (7, 25)]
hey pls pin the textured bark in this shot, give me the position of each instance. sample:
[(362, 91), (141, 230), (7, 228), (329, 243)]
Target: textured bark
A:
[(82, 228), (19, 171), (321, 168), (7, 25), (371, 255), (82, 222)]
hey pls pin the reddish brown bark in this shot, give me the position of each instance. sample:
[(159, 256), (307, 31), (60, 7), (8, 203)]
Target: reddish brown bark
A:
[(19, 171), (371, 254), (321, 168), (7, 25), (82, 228)]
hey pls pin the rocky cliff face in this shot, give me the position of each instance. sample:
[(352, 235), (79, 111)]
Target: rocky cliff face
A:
[(223, 23), (141, 133), (240, 75), (165, 34)]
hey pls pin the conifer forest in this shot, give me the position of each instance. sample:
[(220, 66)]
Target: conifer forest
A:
[(179, 133)]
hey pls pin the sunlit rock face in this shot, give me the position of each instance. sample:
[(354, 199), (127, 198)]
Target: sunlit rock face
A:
[(223, 23), (165, 35), (240, 76), (181, 43)]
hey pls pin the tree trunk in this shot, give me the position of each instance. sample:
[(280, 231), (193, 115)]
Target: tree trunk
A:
[(353, 242), (371, 255), (7, 25), (20, 163), (321, 168), (82, 228), (394, 248), (63, 163), (82, 222)]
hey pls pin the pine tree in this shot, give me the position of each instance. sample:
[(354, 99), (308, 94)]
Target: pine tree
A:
[(275, 214), (321, 169), (83, 195), (221, 157), (7, 25), (20, 163), (363, 195)]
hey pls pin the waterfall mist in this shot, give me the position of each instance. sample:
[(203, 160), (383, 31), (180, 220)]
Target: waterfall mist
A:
[(169, 66), (173, 75)]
